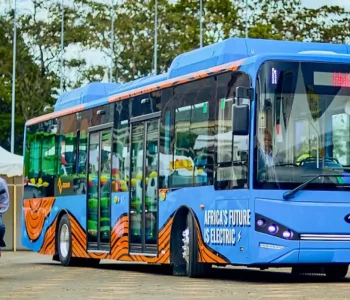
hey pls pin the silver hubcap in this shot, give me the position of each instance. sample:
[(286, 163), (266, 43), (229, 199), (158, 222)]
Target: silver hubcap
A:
[(185, 245), (64, 240)]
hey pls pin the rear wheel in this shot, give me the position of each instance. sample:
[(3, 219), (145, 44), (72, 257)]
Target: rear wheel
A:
[(64, 247), (337, 271), (64, 242), (190, 250)]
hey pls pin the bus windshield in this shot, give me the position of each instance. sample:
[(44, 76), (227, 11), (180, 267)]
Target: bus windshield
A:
[(303, 125)]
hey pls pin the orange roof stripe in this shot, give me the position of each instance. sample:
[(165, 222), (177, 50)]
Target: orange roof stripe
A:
[(53, 115), (179, 80), (147, 89)]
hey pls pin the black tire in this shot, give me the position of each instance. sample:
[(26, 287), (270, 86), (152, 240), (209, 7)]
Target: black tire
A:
[(193, 267), (65, 257), (337, 271)]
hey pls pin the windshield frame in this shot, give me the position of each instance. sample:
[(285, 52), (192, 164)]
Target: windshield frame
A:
[(258, 93)]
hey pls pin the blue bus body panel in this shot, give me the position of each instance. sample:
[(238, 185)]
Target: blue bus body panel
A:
[(138, 83), (76, 205), (309, 213), (213, 200), (85, 94), (234, 49)]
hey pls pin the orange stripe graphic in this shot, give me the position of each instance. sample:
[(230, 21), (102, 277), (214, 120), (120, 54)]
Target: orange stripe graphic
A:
[(35, 212), (146, 89), (48, 246), (206, 255), (120, 243)]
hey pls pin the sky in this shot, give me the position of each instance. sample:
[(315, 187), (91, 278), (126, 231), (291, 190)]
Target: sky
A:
[(318, 3)]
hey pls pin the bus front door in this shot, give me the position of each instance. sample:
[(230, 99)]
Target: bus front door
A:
[(99, 189), (144, 160)]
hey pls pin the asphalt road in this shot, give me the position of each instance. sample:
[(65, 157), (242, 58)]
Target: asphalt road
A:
[(27, 275)]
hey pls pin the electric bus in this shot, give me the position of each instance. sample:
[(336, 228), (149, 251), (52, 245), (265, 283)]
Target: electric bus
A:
[(238, 155)]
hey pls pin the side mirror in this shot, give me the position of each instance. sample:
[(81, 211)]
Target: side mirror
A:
[(240, 112), (243, 92), (240, 119)]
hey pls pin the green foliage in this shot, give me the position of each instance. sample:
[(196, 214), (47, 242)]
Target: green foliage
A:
[(30, 85)]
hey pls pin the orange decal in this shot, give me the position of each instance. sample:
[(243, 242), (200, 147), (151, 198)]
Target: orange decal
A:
[(205, 254), (120, 243), (52, 115), (78, 239), (232, 66), (35, 212), (49, 243), (178, 80)]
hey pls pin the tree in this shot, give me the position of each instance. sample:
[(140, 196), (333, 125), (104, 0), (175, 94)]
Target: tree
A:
[(178, 28), (43, 37), (33, 90), (289, 20), (178, 31)]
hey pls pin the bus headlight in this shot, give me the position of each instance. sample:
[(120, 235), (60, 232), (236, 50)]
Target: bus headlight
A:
[(270, 227)]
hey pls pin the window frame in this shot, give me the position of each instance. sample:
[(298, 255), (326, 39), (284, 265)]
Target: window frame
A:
[(231, 163), (256, 184)]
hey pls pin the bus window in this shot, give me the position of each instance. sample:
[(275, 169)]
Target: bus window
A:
[(193, 159), (305, 130), (67, 146), (341, 138), (232, 150), (48, 152), (34, 155), (166, 135), (120, 153)]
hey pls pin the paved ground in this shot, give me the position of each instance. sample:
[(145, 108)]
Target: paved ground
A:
[(28, 275)]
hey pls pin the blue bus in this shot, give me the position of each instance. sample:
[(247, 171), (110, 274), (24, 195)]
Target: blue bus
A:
[(238, 155)]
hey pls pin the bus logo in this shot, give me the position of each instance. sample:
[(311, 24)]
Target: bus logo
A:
[(61, 186), (347, 218)]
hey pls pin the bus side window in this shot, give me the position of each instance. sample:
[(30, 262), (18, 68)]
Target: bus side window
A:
[(232, 151), (166, 138), (120, 148), (67, 140), (192, 162), (40, 163)]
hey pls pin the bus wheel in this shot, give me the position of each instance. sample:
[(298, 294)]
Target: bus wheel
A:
[(336, 271), (190, 250), (64, 242)]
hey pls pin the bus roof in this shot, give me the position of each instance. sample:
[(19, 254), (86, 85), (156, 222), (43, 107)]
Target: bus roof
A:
[(85, 94), (225, 55)]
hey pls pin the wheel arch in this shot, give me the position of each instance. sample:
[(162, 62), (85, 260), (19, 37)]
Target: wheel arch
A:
[(178, 226)]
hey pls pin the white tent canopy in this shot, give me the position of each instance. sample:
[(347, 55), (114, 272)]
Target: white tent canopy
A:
[(10, 164)]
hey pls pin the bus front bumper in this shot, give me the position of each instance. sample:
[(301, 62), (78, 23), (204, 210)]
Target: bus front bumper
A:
[(274, 251)]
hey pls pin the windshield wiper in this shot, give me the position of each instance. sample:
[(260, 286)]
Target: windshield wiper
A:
[(288, 195)]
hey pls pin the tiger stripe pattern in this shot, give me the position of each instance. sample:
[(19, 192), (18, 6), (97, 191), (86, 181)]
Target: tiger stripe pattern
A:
[(35, 213), (205, 253), (120, 243)]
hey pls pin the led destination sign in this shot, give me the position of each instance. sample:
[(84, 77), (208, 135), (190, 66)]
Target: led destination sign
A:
[(335, 79)]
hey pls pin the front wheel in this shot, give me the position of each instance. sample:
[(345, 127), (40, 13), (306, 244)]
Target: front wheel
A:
[(190, 250)]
